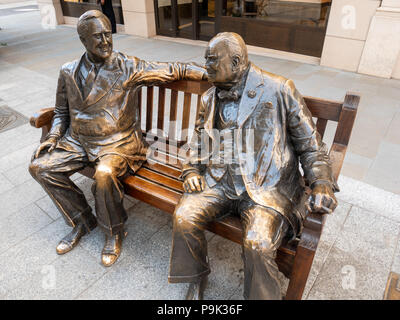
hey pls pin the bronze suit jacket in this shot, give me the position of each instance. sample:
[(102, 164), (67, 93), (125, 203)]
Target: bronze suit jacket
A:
[(107, 121), (274, 115)]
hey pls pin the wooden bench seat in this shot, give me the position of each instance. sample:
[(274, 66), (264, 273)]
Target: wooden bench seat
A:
[(158, 181)]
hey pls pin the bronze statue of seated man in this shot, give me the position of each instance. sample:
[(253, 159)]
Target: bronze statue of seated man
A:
[(96, 123), (261, 124)]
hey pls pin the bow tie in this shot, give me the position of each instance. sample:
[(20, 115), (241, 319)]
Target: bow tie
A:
[(230, 95)]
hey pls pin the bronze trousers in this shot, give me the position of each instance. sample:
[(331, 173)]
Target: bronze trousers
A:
[(264, 230), (53, 171)]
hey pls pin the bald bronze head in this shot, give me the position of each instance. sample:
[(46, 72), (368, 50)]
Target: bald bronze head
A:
[(95, 32), (226, 59)]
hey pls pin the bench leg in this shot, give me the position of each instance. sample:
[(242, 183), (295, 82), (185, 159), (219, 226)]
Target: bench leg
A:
[(304, 256), (301, 269)]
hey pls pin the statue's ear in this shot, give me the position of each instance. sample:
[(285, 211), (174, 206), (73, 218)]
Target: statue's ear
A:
[(83, 40), (236, 62)]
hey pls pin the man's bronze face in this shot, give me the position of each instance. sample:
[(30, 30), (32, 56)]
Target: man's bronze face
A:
[(219, 64), (98, 39)]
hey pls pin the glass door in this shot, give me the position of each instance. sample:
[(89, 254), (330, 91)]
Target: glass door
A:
[(205, 19), (190, 19)]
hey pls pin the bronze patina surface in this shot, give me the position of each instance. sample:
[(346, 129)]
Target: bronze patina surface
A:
[(96, 123), (264, 128), (392, 291)]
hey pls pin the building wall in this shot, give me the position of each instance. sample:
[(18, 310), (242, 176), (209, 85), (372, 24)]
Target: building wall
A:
[(362, 35)]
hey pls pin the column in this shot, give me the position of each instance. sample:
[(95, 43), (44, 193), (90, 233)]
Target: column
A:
[(381, 53), (139, 17), (347, 31)]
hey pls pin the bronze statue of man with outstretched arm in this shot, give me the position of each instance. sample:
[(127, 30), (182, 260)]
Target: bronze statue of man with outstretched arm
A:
[(96, 123), (261, 124)]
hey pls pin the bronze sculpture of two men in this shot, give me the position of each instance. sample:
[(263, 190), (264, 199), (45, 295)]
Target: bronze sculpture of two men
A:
[(97, 124)]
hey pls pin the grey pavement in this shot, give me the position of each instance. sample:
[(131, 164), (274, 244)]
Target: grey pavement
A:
[(360, 244)]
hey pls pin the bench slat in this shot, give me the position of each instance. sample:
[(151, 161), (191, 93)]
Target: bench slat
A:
[(161, 179), (149, 108), (164, 169), (161, 108), (173, 115), (186, 112)]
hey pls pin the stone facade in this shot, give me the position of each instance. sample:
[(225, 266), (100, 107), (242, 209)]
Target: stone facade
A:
[(357, 33)]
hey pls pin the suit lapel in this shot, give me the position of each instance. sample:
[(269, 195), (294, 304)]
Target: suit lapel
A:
[(75, 78), (252, 93), (105, 80), (209, 122)]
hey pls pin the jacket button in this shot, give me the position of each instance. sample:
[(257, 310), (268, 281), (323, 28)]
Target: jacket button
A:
[(251, 94)]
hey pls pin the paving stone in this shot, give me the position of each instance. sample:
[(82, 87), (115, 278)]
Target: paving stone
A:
[(19, 174), (22, 261), (20, 225), (143, 222), (385, 164), (18, 138), (359, 261), (369, 197), (396, 259), (20, 196), (369, 235), (18, 157), (63, 279), (332, 230), (5, 184), (48, 206), (226, 269), (135, 271), (349, 276)]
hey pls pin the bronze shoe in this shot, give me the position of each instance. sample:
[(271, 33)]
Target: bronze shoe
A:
[(112, 249), (71, 240), (196, 289)]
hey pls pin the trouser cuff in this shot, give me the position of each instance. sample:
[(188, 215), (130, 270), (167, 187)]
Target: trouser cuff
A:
[(188, 279), (87, 218), (111, 231)]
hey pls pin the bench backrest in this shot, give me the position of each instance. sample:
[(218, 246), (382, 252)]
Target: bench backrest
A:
[(160, 105)]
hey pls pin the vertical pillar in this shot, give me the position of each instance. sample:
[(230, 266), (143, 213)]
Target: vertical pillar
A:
[(381, 53), (51, 12), (347, 31), (139, 17)]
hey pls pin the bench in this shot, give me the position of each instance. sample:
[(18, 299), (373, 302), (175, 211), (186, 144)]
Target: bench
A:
[(158, 181)]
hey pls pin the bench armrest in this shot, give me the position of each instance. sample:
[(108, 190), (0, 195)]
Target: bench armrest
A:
[(42, 118)]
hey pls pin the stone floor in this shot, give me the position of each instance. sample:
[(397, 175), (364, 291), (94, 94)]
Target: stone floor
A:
[(360, 243)]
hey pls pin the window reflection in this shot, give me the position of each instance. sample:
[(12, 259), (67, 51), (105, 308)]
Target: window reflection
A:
[(301, 12)]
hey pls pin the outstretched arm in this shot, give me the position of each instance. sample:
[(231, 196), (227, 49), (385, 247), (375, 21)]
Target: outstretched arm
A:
[(311, 151), (151, 73)]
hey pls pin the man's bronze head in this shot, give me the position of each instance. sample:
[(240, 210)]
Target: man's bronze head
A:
[(94, 30), (226, 59)]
